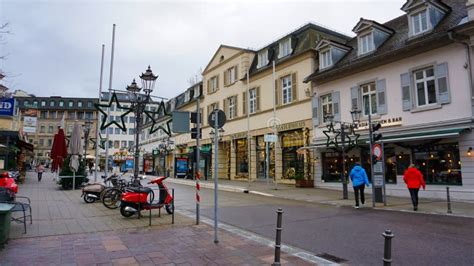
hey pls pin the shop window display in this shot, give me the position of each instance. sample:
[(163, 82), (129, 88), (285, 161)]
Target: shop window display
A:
[(332, 166), (241, 156), (293, 163), (261, 159), (440, 164)]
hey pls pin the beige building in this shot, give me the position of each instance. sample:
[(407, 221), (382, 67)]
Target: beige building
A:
[(249, 106)]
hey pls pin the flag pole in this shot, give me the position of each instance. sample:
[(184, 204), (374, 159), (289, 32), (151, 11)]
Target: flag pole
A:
[(108, 109), (97, 140)]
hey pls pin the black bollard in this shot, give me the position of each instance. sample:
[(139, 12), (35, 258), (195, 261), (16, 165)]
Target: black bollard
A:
[(172, 206), (387, 252), (278, 237), (449, 200)]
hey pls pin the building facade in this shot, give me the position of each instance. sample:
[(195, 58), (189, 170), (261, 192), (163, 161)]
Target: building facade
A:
[(413, 75), (41, 117)]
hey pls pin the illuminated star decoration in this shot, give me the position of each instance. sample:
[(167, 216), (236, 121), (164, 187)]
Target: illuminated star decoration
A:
[(104, 124), (159, 114)]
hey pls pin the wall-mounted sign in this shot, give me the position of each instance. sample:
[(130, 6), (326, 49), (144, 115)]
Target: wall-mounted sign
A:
[(30, 120), (7, 106), (290, 126), (389, 122)]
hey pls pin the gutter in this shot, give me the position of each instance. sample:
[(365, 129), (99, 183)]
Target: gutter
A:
[(469, 62)]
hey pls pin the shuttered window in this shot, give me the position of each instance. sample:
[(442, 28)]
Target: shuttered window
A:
[(287, 95)]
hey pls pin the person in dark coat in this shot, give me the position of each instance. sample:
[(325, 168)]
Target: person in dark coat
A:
[(414, 180), (359, 181)]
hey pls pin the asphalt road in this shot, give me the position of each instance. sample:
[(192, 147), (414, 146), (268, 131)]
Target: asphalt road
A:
[(351, 236)]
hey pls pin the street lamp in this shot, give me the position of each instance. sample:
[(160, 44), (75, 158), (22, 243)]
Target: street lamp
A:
[(342, 131), (138, 103)]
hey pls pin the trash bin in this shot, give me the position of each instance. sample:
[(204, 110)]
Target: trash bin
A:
[(5, 218)]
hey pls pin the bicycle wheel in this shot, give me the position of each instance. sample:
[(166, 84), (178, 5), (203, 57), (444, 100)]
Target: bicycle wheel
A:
[(111, 198)]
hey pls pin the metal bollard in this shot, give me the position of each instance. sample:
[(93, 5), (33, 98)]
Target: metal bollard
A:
[(172, 206), (449, 200), (387, 252), (278, 237)]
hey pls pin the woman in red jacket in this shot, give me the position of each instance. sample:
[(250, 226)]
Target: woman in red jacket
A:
[(414, 180)]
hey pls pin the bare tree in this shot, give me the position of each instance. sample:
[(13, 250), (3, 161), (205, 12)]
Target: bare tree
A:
[(196, 78), (3, 31)]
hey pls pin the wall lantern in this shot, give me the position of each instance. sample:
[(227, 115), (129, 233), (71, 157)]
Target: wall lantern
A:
[(469, 151)]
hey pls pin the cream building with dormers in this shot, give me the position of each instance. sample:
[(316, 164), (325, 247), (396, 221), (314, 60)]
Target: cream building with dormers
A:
[(414, 76), (242, 148)]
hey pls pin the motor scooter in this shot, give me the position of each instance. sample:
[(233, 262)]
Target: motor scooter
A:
[(136, 199), (93, 192)]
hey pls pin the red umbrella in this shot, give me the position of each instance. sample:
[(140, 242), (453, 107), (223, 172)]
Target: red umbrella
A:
[(59, 150)]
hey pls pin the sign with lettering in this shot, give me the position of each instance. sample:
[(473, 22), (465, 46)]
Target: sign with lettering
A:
[(270, 138), (389, 122), (7, 106), (290, 126), (30, 120), (378, 180)]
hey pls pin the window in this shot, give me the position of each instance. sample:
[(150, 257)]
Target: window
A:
[(419, 22), (187, 97), (212, 107), (366, 43), (50, 142), (232, 107), (110, 130), (43, 103), (52, 114), (51, 103), (130, 143), (89, 115), (369, 99), (124, 143), (26, 102), (44, 114), (253, 100), (79, 104), (42, 129), (35, 103), (116, 144), (213, 84), (325, 59), (440, 164), (50, 129), (80, 115), (112, 107), (41, 142), (111, 144), (241, 156), (61, 103), (71, 115), (117, 131), (131, 119), (60, 114), (262, 59), (69, 129), (102, 131), (285, 48), (131, 131), (326, 106), (231, 75), (425, 87), (71, 104), (89, 104), (286, 89)]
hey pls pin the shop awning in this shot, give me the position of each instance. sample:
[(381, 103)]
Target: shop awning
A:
[(424, 135)]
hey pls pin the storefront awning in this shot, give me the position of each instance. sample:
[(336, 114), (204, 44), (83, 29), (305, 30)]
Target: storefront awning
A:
[(424, 135)]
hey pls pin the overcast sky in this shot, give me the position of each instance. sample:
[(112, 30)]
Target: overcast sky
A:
[(54, 47)]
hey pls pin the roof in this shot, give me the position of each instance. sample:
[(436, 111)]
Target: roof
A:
[(396, 47), (305, 39)]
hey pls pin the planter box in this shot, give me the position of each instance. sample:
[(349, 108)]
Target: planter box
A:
[(304, 183)]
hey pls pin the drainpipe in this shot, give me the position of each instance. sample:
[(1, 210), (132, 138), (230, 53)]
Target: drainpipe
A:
[(469, 63)]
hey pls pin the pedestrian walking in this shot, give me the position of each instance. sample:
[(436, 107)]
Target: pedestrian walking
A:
[(40, 170), (359, 181), (414, 180)]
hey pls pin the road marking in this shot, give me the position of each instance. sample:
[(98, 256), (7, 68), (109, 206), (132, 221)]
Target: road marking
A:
[(294, 251)]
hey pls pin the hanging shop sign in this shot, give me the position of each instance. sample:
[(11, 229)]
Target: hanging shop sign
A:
[(30, 120), (7, 106)]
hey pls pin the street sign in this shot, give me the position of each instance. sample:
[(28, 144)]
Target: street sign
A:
[(377, 151), (270, 138), (180, 122), (378, 181), (378, 167), (221, 119)]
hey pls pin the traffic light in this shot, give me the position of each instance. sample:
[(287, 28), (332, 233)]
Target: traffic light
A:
[(376, 136), (194, 116), (194, 133)]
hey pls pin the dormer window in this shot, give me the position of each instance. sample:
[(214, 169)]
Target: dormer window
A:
[(285, 48), (366, 43), (262, 58), (325, 59), (419, 22)]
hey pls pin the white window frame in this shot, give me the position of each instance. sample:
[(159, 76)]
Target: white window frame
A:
[(231, 75), (366, 43), (425, 81), (253, 100), (326, 106), (414, 22), (61, 103), (43, 103), (213, 84), (284, 48), (286, 89), (79, 104), (231, 104), (325, 59), (262, 58), (369, 90), (187, 96)]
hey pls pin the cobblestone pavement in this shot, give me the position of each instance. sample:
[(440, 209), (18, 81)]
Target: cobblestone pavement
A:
[(67, 231)]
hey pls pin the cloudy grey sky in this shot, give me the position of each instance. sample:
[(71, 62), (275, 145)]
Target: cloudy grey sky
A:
[(54, 47)]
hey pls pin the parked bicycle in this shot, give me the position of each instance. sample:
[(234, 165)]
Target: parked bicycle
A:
[(111, 196)]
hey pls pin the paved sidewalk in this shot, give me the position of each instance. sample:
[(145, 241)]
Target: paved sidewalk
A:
[(334, 197)]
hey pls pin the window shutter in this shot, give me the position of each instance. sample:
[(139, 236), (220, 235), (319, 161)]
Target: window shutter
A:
[(270, 53), (208, 86), (381, 97), (355, 100), (208, 112), (277, 92), (406, 97), (315, 107), (336, 99), (236, 106), (244, 103), (443, 83), (293, 41), (226, 77), (236, 73), (217, 82), (294, 96), (258, 98)]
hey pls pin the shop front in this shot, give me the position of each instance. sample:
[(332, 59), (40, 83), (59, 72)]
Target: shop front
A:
[(14, 152), (261, 158), (241, 158), (292, 161)]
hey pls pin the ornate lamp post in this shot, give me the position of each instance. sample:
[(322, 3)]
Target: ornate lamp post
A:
[(139, 102), (344, 129)]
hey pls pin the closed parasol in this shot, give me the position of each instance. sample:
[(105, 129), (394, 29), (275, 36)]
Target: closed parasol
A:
[(75, 149), (58, 150)]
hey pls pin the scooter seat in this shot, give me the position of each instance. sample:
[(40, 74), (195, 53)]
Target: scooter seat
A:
[(140, 189)]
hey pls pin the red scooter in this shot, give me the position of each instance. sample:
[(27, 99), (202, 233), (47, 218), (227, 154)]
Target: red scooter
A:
[(135, 200)]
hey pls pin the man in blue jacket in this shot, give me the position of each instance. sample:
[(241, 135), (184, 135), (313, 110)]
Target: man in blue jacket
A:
[(359, 180)]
